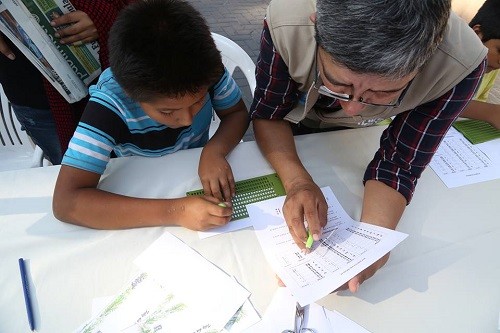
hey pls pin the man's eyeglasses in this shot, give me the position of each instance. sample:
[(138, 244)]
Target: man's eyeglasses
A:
[(323, 90)]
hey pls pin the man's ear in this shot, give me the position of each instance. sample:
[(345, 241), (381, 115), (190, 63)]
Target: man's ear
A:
[(312, 17), (478, 31)]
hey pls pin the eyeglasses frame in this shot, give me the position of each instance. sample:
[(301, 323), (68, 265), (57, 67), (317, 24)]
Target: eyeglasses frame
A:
[(323, 90)]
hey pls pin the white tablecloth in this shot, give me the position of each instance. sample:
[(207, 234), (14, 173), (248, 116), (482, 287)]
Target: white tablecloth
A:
[(443, 278)]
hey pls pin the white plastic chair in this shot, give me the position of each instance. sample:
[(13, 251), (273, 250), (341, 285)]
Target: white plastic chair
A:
[(17, 151), (233, 56)]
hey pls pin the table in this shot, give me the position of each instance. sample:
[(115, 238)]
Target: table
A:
[(443, 278)]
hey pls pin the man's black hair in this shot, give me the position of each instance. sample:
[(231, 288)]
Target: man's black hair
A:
[(163, 48)]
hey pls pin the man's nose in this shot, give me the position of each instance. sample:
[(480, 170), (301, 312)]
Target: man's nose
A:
[(352, 108)]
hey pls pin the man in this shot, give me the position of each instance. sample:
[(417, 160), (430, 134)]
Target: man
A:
[(338, 63)]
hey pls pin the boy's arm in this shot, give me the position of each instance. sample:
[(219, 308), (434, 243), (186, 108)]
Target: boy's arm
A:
[(78, 201), (483, 111), (214, 171), (234, 123)]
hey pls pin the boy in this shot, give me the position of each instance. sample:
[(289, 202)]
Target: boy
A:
[(486, 24), (166, 75)]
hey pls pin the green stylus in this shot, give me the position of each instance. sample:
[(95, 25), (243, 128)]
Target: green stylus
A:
[(222, 204), (310, 240)]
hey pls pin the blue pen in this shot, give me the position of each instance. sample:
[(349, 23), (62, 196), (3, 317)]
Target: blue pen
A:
[(27, 296)]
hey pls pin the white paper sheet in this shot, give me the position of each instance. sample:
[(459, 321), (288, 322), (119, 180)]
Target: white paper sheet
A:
[(215, 295), (177, 291), (347, 247), (457, 162), (341, 324), (280, 316), (231, 226)]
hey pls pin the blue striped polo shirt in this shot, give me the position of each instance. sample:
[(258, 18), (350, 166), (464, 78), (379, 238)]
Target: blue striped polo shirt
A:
[(114, 122)]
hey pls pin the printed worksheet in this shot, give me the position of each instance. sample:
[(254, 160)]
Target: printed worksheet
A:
[(346, 248), (458, 162)]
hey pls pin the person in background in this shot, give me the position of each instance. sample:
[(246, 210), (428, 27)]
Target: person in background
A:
[(486, 24), (165, 80), (330, 64), (46, 116)]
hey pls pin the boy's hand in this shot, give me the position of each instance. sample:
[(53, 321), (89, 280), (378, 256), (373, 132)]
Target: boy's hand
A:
[(81, 28), (216, 176), (204, 212)]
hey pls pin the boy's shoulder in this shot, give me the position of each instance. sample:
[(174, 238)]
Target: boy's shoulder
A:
[(106, 82), (108, 89)]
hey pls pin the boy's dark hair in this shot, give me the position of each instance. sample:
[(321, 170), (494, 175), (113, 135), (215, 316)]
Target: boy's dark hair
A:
[(488, 17), (162, 48)]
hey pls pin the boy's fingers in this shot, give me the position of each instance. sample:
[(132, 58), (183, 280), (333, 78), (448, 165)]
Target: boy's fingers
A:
[(219, 221), (222, 213), (231, 185), (226, 190), (220, 208), (216, 190), (211, 199), (206, 188)]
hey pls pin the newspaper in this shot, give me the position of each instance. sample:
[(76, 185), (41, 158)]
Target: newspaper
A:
[(70, 69)]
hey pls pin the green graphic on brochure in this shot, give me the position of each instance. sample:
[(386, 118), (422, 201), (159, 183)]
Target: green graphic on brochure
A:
[(148, 322), (238, 316), (148, 325)]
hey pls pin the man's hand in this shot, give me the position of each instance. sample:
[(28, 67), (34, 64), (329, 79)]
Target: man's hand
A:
[(5, 49), (354, 283), (304, 199), (382, 206), (81, 28)]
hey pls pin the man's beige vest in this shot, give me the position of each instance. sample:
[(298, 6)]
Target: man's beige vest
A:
[(292, 33)]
